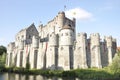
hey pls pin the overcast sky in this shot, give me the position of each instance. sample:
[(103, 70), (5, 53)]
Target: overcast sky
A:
[(93, 16)]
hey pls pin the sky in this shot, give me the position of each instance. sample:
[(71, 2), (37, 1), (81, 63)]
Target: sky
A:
[(92, 16)]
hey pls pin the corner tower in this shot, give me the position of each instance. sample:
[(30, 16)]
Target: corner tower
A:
[(80, 54), (95, 50)]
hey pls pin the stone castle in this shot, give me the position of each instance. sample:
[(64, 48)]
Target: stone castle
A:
[(56, 46)]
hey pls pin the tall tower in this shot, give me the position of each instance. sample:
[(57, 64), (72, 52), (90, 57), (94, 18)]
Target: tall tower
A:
[(34, 52), (65, 56), (10, 51), (20, 54), (52, 52), (108, 41), (80, 54), (95, 50), (61, 19)]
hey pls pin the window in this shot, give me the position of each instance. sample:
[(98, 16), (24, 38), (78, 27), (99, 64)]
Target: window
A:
[(29, 36)]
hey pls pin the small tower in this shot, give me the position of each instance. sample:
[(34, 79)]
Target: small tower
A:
[(108, 41), (95, 50), (20, 54), (10, 50), (114, 46), (52, 52), (61, 19), (65, 56), (34, 52), (80, 54)]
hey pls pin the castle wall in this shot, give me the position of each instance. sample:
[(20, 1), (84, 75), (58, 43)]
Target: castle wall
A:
[(55, 46)]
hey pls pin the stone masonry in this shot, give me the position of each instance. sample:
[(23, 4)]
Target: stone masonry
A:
[(56, 46)]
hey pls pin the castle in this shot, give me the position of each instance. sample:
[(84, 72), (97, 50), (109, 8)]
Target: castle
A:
[(56, 46)]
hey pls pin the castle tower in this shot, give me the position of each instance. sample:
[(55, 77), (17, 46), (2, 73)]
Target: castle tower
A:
[(52, 52), (65, 56), (95, 50), (61, 19), (80, 55), (9, 58), (108, 41), (20, 54), (34, 52), (114, 46)]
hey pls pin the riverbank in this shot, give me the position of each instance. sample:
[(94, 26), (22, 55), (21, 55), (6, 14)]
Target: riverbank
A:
[(90, 73)]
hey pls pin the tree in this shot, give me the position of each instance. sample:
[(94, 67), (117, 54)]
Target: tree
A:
[(2, 50), (115, 66)]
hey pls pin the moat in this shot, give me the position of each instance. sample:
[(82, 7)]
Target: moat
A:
[(13, 76)]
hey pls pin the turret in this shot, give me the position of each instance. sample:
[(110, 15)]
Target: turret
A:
[(95, 39), (11, 46), (10, 50), (53, 39), (66, 36), (61, 19), (80, 55), (65, 55), (108, 41), (21, 45), (35, 42), (95, 50)]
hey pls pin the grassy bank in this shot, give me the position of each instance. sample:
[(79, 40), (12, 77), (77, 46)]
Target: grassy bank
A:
[(80, 73)]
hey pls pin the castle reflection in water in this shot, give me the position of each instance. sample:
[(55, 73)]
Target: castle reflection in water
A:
[(13, 76)]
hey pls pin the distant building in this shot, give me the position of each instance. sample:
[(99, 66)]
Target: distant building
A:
[(56, 46)]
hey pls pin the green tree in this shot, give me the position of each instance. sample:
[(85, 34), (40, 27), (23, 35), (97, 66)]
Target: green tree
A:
[(115, 66), (2, 50)]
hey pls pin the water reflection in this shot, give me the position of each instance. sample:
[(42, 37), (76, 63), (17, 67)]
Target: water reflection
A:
[(12, 76)]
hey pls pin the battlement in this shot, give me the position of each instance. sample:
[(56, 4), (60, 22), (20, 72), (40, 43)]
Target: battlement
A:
[(56, 46)]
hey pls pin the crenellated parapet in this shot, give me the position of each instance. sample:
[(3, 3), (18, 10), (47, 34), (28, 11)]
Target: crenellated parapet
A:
[(108, 41), (56, 46), (95, 39)]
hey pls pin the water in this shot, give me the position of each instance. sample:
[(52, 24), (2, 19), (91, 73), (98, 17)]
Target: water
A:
[(13, 76)]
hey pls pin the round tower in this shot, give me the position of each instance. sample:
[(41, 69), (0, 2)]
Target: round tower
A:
[(35, 42), (61, 19), (66, 36), (65, 56), (53, 39)]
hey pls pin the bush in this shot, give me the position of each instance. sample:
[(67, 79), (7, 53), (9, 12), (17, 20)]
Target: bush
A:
[(27, 65)]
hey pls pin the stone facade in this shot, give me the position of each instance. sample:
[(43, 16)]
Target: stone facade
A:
[(56, 46)]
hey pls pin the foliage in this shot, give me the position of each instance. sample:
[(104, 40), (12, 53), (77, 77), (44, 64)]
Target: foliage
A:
[(2, 50), (115, 66), (28, 66), (2, 61)]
